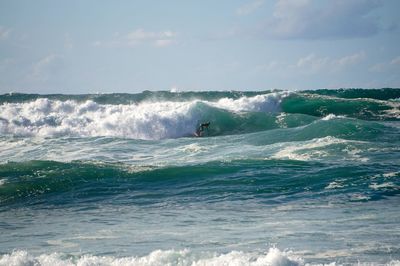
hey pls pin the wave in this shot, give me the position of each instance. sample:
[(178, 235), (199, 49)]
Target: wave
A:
[(377, 94), (322, 105), (145, 120), (163, 115), (272, 257), (157, 257), (47, 118), (127, 98), (284, 174)]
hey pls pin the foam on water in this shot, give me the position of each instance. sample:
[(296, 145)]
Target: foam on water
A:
[(185, 257), (391, 174), (158, 257), (332, 116), (259, 103), (304, 151), (49, 118), (386, 185), (144, 120), (334, 185)]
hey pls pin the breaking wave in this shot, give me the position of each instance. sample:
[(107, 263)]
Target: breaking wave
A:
[(157, 257), (145, 120), (162, 115)]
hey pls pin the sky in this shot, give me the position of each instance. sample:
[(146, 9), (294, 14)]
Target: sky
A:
[(96, 46)]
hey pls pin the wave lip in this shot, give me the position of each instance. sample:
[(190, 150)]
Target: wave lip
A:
[(260, 103)]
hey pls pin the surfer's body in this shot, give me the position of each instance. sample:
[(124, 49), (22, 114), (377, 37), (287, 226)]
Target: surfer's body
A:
[(201, 128)]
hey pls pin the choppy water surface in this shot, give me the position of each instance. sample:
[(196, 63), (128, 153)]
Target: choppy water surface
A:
[(280, 178)]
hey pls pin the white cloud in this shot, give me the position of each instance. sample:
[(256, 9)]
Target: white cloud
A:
[(5, 63), (249, 8), (311, 19), (395, 61), (275, 68), (312, 63), (379, 67), (163, 42), (350, 59), (141, 36), (386, 66), (4, 33), (43, 69), (68, 43), (273, 65)]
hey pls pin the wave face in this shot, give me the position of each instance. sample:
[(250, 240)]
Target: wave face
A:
[(279, 178)]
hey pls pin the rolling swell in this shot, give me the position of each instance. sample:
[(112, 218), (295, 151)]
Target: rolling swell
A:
[(321, 105), (280, 179), (377, 94)]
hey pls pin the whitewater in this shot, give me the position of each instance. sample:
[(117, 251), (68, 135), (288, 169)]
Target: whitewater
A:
[(144, 120), (279, 178)]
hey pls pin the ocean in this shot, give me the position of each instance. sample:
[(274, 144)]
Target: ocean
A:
[(278, 178)]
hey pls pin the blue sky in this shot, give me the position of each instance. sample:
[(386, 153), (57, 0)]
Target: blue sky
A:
[(92, 46)]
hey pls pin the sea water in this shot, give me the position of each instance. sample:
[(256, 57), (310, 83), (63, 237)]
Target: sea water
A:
[(279, 178)]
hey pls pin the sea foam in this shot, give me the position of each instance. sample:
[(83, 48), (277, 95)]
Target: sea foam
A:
[(304, 151), (145, 120), (260, 103), (274, 257), (158, 257)]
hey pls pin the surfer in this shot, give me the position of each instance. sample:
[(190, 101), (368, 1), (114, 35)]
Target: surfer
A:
[(201, 128)]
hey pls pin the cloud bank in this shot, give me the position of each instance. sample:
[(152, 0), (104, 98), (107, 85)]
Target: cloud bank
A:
[(393, 64), (249, 8), (313, 64), (141, 36), (4, 33), (323, 19), (46, 67)]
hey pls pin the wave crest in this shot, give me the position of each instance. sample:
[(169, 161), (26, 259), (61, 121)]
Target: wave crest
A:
[(158, 257), (145, 120)]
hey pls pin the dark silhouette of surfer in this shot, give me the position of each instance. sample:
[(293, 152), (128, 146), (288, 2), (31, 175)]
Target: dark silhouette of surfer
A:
[(201, 128)]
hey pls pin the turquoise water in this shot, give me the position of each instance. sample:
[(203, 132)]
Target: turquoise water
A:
[(280, 178)]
